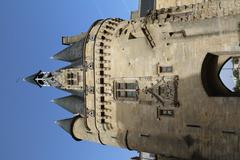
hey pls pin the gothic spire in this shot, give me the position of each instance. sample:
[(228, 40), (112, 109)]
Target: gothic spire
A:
[(71, 53), (73, 104), (66, 124), (32, 78)]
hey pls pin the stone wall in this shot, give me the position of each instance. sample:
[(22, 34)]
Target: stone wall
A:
[(171, 3)]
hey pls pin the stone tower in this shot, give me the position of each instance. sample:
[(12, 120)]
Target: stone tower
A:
[(152, 83)]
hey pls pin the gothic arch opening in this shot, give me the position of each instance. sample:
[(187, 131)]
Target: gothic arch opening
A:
[(230, 74), (218, 74)]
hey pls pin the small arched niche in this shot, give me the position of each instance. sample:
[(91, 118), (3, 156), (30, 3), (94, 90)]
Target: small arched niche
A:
[(220, 74)]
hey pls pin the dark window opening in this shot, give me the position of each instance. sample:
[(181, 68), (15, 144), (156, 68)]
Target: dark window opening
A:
[(40, 82), (40, 75), (70, 75), (167, 69), (49, 75), (102, 120), (120, 31), (102, 73), (171, 34), (102, 114), (165, 112), (101, 80), (131, 36), (159, 90), (106, 32), (102, 90), (70, 82), (102, 99), (109, 27)]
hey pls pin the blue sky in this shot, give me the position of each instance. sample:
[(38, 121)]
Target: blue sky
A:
[(30, 33), (226, 75)]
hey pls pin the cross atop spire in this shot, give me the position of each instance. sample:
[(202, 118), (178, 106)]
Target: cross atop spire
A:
[(43, 79)]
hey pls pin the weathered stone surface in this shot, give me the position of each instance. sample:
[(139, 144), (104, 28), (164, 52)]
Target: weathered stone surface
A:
[(173, 3)]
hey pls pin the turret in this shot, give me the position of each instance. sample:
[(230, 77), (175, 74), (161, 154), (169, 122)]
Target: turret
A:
[(67, 125), (78, 129)]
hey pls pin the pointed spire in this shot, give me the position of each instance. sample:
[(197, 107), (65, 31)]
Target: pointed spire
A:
[(71, 53), (74, 64), (31, 78), (73, 104), (66, 124), (73, 92)]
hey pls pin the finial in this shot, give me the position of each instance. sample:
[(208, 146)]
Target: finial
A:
[(32, 78)]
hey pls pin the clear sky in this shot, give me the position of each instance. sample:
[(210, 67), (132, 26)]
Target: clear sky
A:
[(226, 75), (30, 33)]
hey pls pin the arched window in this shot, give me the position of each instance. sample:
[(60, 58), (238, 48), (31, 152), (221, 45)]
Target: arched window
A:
[(229, 74), (220, 74)]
